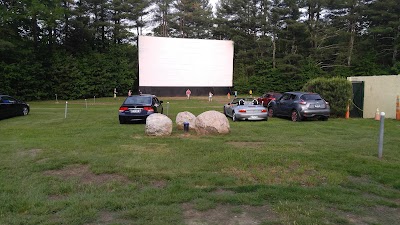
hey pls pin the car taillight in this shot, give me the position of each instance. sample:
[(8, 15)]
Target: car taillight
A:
[(263, 110), (149, 109), (242, 110), (122, 109), (302, 102)]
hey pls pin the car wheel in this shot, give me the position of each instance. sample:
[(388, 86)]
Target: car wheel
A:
[(270, 112), (224, 111), (295, 116), (234, 117), (25, 111), (122, 121)]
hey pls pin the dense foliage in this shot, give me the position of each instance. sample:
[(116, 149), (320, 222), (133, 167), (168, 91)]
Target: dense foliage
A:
[(79, 48), (337, 91)]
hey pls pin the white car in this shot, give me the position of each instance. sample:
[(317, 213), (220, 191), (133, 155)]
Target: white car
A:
[(245, 109)]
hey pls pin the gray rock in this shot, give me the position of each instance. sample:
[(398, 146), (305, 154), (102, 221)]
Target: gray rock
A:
[(212, 122), (158, 124), (185, 117)]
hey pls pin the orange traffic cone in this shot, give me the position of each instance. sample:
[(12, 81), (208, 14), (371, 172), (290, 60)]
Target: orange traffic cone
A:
[(347, 111), (377, 114), (397, 108)]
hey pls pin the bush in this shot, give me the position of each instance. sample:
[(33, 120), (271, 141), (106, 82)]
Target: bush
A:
[(337, 91)]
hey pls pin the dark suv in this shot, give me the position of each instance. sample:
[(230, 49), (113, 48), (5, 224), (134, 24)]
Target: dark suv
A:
[(300, 105), (139, 107)]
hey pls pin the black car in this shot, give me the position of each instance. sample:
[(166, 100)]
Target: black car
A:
[(139, 107), (10, 107), (299, 106)]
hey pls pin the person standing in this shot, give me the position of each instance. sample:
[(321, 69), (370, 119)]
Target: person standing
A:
[(251, 93), (188, 93), (210, 95), (129, 93), (229, 95), (235, 94), (115, 93)]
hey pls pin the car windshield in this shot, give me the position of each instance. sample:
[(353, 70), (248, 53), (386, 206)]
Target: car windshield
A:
[(138, 100), (307, 97)]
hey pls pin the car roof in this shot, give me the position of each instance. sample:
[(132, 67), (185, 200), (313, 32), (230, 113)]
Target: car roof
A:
[(142, 95), (300, 93)]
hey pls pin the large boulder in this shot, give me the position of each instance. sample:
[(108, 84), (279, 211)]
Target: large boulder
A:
[(212, 122), (185, 117), (158, 125)]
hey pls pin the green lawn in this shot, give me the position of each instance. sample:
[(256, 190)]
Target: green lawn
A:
[(89, 169)]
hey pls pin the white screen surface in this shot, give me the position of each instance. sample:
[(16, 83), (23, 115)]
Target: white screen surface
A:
[(183, 62)]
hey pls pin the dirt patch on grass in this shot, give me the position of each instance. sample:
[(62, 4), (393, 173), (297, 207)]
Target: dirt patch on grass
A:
[(30, 153), (372, 215), (83, 174), (227, 215), (107, 217), (293, 173), (159, 184), (220, 191), (242, 144)]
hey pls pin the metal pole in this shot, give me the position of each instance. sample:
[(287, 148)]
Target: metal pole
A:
[(66, 109), (381, 130), (56, 99), (94, 99), (167, 107), (86, 102)]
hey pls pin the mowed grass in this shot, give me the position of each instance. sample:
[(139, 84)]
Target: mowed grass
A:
[(89, 169)]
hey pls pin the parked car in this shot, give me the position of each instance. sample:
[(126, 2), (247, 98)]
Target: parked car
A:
[(245, 109), (139, 107), (299, 106), (10, 107), (267, 97)]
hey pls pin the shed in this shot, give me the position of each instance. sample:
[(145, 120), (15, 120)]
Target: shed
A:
[(375, 92)]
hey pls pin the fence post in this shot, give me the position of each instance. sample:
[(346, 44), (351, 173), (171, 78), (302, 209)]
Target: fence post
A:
[(381, 130)]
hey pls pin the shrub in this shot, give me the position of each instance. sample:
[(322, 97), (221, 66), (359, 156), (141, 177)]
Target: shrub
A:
[(337, 91)]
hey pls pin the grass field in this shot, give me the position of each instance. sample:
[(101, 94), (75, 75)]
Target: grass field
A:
[(89, 169)]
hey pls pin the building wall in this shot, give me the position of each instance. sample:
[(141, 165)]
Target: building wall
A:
[(379, 92)]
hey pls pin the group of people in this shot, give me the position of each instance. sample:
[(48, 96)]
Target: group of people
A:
[(188, 93)]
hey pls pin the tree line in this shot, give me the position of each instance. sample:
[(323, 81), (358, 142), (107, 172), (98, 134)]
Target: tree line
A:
[(84, 48)]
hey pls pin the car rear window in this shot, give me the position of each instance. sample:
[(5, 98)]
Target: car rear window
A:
[(138, 100), (307, 97)]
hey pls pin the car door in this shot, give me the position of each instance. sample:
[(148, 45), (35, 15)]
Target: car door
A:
[(281, 104), (8, 107), (4, 107), (288, 105), (158, 108), (231, 107)]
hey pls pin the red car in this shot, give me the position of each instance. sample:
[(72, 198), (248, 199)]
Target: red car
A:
[(267, 97)]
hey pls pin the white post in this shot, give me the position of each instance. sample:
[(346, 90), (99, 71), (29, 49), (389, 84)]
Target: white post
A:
[(167, 107), (94, 99), (86, 102), (66, 109), (56, 99), (381, 130)]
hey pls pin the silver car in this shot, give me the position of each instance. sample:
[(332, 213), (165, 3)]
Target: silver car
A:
[(245, 109), (299, 106)]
